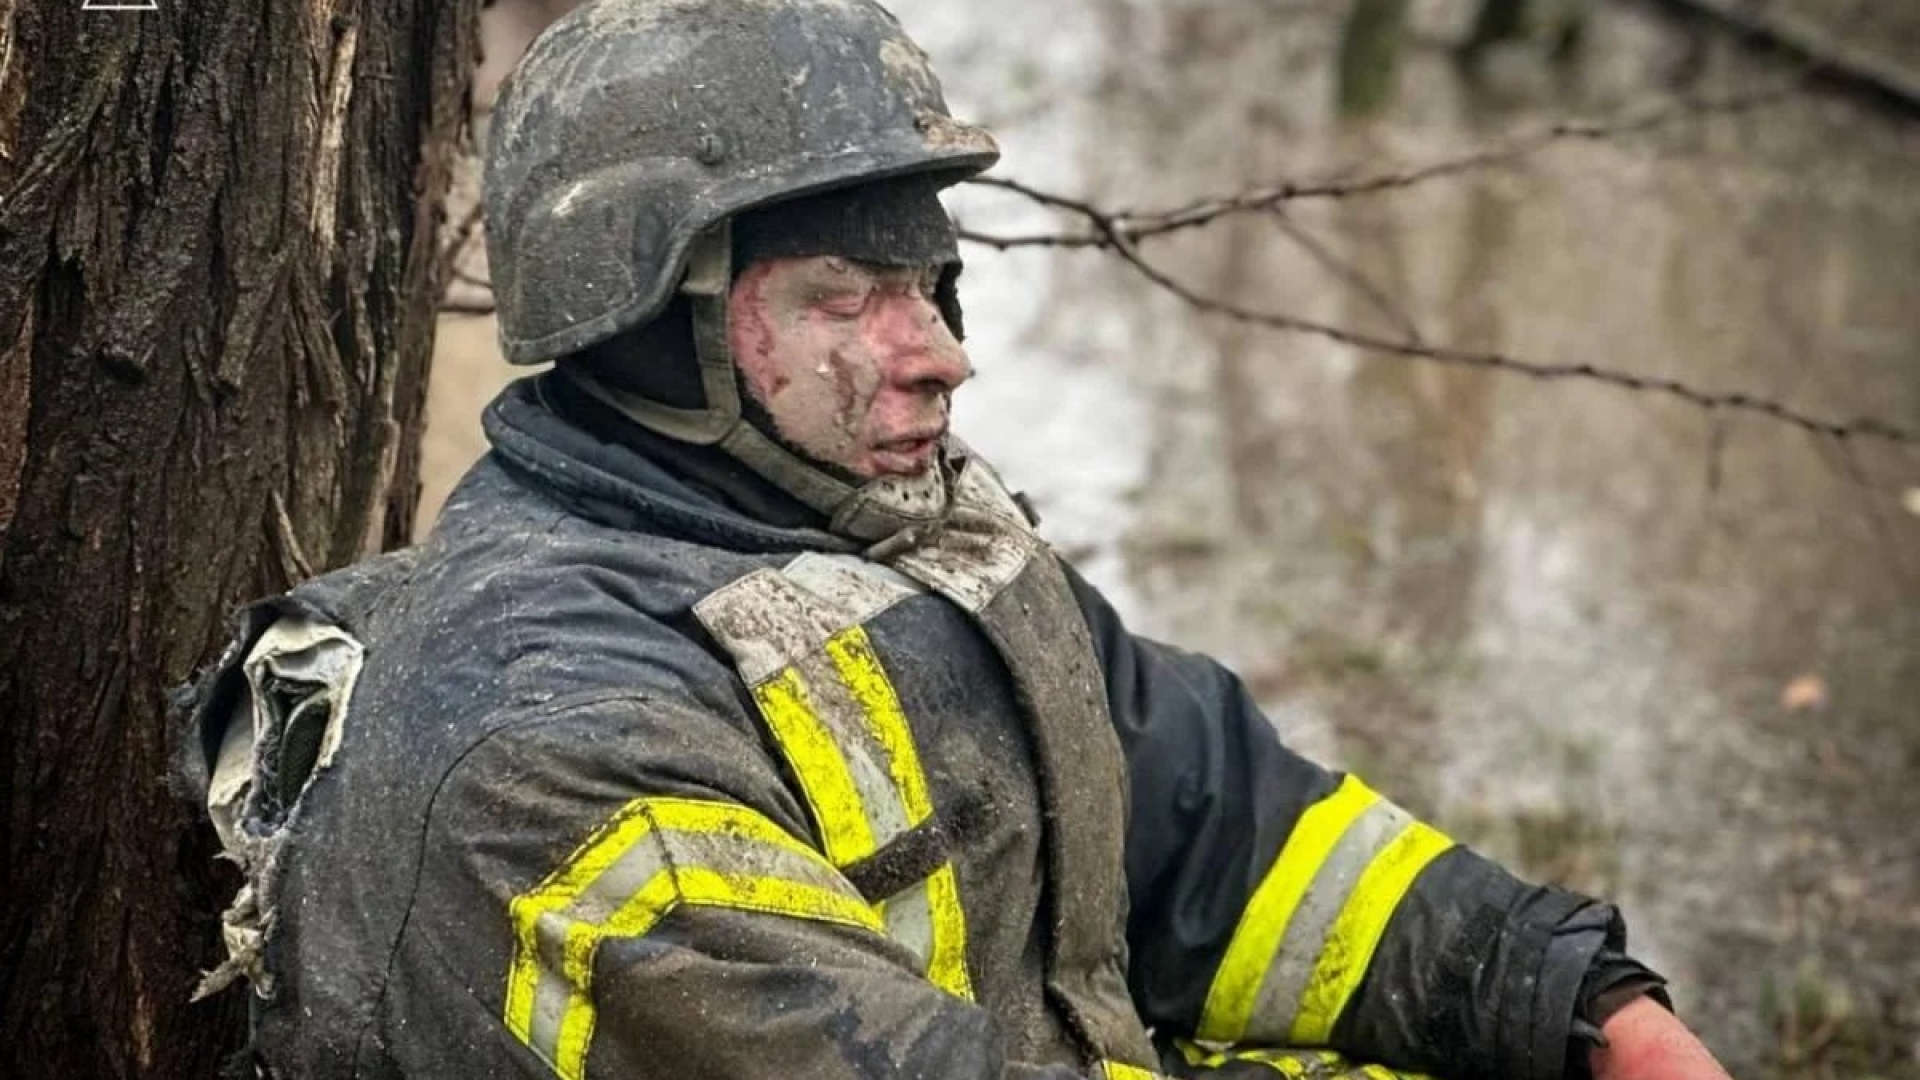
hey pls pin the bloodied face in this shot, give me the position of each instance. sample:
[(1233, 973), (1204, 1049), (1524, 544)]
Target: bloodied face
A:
[(852, 361)]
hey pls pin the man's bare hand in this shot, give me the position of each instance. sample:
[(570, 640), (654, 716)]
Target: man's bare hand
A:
[(1646, 1042)]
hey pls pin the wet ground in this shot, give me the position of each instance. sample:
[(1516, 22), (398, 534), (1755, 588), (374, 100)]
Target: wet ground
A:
[(1665, 655)]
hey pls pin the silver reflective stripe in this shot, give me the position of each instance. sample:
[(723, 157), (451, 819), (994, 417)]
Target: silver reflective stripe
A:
[(1313, 921), (845, 719), (550, 1000), (909, 918), (858, 589), (766, 622), (770, 618)]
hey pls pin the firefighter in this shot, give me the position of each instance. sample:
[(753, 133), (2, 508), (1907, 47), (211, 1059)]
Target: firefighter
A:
[(735, 722)]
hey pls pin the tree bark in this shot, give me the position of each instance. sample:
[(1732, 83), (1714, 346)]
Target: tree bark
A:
[(218, 273)]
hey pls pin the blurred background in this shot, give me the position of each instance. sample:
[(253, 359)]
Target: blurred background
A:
[(1667, 654)]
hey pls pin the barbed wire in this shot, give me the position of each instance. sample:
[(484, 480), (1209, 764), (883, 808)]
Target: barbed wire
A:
[(1139, 225), (1121, 232), (1110, 232)]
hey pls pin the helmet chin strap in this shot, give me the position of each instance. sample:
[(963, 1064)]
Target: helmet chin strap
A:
[(871, 512)]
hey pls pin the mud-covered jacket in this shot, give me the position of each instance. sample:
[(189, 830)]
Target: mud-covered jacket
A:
[(606, 779)]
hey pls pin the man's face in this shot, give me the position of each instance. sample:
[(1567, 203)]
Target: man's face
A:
[(852, 361)]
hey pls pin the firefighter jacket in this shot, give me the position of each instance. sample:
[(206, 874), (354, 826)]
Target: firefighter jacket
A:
[(608, 780)]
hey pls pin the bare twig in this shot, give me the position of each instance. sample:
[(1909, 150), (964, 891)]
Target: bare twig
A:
[(1351, 276), (466, 278), (1123, 244), (1835, 60), (1142, 225), (478, 300), (1846, 458), (457, 241), (473, 308), (1716, 452)]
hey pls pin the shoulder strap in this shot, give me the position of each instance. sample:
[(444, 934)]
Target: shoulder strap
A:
[(988, 560)]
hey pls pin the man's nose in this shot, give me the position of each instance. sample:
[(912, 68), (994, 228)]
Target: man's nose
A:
[(922, 351)]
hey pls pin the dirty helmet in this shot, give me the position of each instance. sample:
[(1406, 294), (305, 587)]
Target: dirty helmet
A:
[(632, 134)]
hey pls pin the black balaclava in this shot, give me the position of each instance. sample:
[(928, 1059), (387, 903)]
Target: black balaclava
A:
[(896, 222)]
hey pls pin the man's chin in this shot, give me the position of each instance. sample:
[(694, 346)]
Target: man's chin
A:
[(902, 474)]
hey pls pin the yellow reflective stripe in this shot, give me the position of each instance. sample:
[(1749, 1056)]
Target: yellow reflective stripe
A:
[(606, 846), (1116, 1071), (853, 657), (866, 680), (694, 887), (947, 968), (818, 760), (1263, 925), (662, 876), (1349, 948)]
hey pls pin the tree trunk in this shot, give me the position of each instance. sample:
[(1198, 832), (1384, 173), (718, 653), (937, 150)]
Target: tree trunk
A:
[(218, 273)]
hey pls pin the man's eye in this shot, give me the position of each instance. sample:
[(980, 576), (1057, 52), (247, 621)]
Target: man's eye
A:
[(842, 305)]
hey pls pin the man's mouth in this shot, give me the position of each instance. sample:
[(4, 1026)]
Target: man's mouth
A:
[(909, 454)]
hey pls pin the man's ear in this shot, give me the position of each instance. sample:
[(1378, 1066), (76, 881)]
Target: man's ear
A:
[(947, 295)]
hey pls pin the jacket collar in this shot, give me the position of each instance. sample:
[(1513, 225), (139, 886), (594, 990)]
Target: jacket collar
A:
[(616, 485)]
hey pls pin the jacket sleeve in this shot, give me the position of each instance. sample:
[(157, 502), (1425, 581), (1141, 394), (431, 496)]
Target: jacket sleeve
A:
[(621, 888), (1278, 903)]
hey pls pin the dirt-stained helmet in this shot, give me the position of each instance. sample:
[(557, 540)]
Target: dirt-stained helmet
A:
[(632, 127)]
